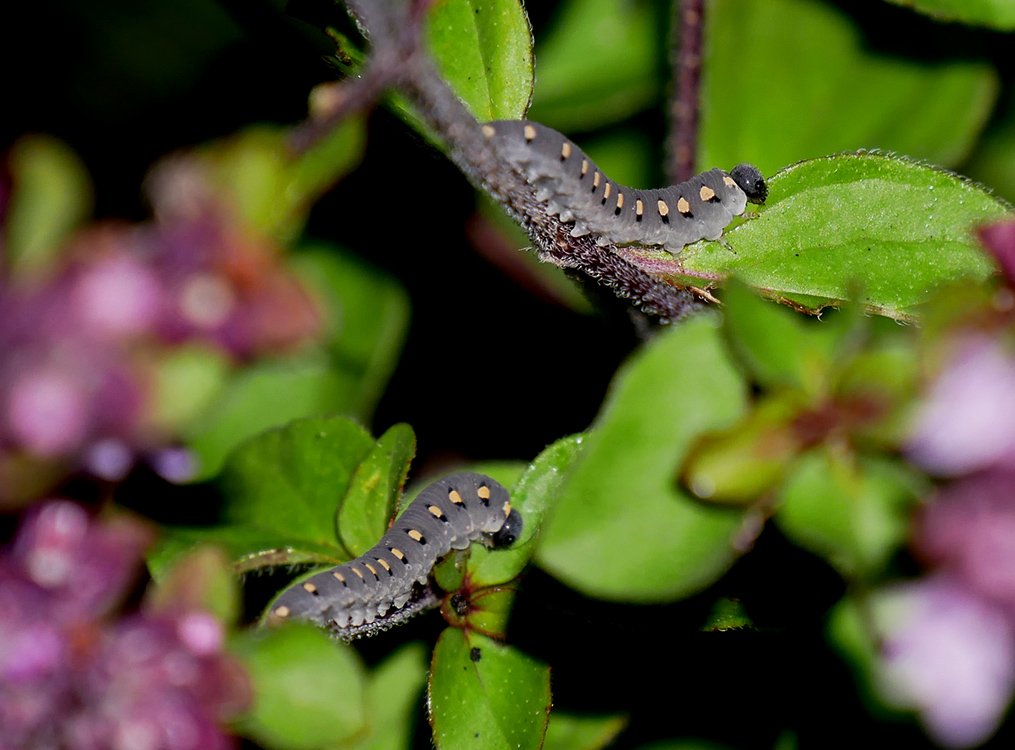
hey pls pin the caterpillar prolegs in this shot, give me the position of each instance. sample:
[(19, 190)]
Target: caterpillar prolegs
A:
[(575, 189), (389, 583)]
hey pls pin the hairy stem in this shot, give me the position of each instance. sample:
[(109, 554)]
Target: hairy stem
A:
[(685, 102)]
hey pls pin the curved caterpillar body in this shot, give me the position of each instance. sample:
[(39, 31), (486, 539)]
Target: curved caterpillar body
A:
[(575, 189), (379, 589)]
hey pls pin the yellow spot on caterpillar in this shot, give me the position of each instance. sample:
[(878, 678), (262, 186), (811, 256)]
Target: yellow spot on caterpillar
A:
[(398, 553), (565, 151), (729, 182), (664, 210), (507, 508), (585, 167), (282, 611), (454, 497), (529, 132), (489, 131), (435, 511), (371, 568), (483, 492), (683, 206), (356, 571), (310, 588), (620, 200), (595, 180), (706, 193), (415, 535), (383, 563), (340, 577), (639, 207), (606, 192)]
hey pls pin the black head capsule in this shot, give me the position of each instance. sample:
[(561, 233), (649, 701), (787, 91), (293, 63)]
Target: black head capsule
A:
[(510, 531), (749, 179)]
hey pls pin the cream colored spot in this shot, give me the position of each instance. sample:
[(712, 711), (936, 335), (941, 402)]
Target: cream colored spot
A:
[(595, 180), (371, 568), (398, 553), (728, 181), (565, 150), (310, 588), (585, 167), (282, 611), (483, 492), (383, 563), (639, 207), (706, 193), (683, 206), (339, 576), (507, 508), (435, 511), (489, 131), (664, 210), (415, 535), (454, 497), (620, 200), (606, 192), (530, 132), (356, 571)]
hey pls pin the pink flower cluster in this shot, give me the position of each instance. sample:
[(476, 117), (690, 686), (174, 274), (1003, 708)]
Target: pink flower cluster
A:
[(81, 347), (74, 676)]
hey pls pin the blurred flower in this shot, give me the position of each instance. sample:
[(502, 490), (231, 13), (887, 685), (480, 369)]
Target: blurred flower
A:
[(967, 422), (999, 239), (72, 676), (947, 654)]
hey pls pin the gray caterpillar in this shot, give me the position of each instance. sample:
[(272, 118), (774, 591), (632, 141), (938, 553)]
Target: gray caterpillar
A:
[(389, 583), (575, 189)]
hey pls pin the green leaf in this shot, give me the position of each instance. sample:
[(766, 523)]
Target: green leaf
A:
[(374, 490), (997, 14), (855, 517), (825, 89), (886, 225), (52, 195), (601, 61), (534, 494), (185, 381), (484, 694), (571, 732), (483, 48), (291, 480), (201, 580), (392, 696), (308, 689), (622, 529)]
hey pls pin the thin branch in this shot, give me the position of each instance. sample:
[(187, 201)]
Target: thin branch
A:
[(685, 103)]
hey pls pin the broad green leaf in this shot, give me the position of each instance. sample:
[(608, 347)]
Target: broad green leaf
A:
[(291, 480), (534, 494), (393, 693), (308, 689), (572, 732), (824, 89), (601, 61), (856, 517), (483, 694), (622, 528), (886, 225), (997, 14), (51, 196), (483, 48), (185, 380), (374, 490)]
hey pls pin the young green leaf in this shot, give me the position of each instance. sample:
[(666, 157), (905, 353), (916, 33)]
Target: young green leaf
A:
[(573, 732), (997, 14)]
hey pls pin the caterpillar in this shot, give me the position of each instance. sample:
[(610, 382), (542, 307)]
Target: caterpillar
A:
[(575, 189), (389, 583)]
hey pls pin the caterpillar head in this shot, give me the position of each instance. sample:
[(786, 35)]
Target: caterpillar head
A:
[(749, 179)]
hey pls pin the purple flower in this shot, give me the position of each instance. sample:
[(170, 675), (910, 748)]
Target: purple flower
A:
[(948, 655), (967, 422), (73, 677)]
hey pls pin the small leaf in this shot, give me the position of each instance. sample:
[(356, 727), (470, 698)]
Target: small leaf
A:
[(483, 48), (572, 732), (622, 529), (484, 694), (886, 225), (51, 196), (374, 490), (308, 689), (997, 14), (393, 693)]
